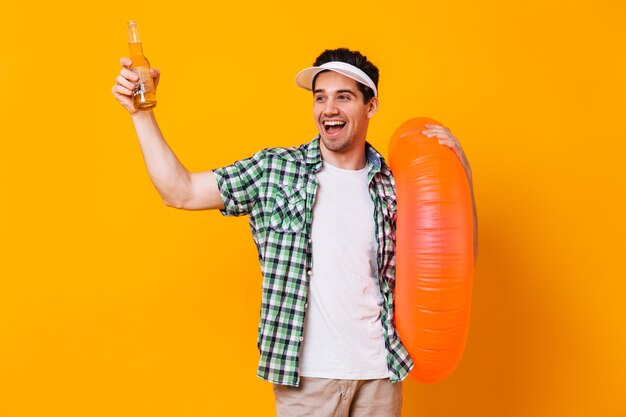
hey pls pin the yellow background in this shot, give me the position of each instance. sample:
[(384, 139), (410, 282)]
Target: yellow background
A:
[(112, 304)]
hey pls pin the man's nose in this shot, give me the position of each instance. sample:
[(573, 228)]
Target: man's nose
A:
[(330, 107)]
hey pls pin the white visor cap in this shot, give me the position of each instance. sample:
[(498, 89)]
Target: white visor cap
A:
[(305, 77)]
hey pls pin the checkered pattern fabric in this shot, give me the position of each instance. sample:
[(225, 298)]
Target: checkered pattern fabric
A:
[(276, 188)]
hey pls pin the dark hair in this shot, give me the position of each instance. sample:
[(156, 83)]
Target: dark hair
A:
[(354, 58)]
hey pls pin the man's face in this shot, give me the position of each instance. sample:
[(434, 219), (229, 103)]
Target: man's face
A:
[(340, 114)]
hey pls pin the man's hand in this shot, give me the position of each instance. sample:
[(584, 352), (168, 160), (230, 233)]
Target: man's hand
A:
[(126, 82), (446, 138)]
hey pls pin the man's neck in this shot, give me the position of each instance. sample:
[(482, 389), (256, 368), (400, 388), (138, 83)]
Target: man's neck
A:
[(353, 159)]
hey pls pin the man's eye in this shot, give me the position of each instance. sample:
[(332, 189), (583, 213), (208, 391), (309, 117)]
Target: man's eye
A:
[(343, 97), (319, 98)]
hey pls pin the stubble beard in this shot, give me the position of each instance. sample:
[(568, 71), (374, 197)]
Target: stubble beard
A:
[(337, 145)]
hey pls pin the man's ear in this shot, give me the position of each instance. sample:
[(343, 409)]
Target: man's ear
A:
[(372, 107)]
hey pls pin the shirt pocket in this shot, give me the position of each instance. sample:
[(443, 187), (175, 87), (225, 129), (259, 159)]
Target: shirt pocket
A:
[(288, 210)]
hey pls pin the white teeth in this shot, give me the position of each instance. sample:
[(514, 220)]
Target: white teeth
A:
[(334, 123)]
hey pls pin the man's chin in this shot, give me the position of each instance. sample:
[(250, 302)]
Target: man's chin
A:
[(335, 144)]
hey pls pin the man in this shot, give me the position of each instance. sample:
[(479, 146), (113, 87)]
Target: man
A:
[(322, 216)]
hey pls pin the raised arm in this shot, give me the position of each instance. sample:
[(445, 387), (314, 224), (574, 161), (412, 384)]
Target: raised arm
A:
[(177, 186)]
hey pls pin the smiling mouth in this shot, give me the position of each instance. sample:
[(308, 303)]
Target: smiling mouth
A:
[(333, 127)]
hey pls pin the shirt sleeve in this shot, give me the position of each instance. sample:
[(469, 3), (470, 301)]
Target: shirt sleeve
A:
[(239, 184)]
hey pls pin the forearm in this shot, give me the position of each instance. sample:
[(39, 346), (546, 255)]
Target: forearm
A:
[(171, 179)]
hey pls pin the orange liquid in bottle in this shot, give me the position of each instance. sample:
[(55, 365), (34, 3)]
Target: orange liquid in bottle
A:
[(144, 95)]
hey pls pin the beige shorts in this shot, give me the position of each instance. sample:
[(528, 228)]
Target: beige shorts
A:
[(339, 398)]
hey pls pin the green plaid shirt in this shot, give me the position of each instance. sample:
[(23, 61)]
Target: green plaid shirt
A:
[(276, 188)]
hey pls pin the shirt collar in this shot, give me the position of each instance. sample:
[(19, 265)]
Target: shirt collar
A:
[(314, 155), (374, 159)]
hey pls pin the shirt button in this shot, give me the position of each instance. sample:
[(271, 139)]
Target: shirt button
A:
[(306, 305), (309, 272), (310, 241), (301, 338)]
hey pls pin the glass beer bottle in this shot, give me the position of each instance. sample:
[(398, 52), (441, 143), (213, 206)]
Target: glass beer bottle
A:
[(144, 95)]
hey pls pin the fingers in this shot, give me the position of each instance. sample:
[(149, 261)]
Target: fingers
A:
[(126, 81), (119, 90), (156, 75), (129, 75), (444, 136), (452, 144), (125, 71), (125, 62), (125, 84), (437, 131), (433, 129)]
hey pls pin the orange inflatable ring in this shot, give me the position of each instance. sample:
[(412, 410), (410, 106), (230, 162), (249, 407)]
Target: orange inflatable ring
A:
[(434, 250)]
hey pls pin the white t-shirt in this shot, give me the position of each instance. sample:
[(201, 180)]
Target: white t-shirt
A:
[(343, 334)]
